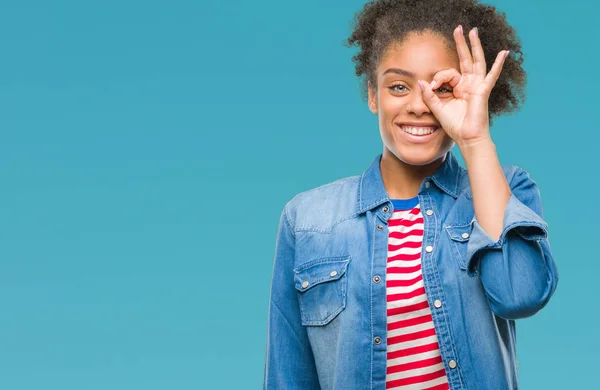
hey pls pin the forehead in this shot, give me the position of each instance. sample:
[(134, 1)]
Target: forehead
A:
[(420, 53)]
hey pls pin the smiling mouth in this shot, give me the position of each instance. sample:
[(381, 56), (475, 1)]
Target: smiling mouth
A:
[(418, 131)]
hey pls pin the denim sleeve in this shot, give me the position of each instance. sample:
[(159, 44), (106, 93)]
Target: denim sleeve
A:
[(517, 271), (289, 361)]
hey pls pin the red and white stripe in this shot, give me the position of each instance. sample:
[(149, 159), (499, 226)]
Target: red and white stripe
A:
[(413, 355)]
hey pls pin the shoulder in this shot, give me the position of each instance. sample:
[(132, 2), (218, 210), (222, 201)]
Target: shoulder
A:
[(320, 208)]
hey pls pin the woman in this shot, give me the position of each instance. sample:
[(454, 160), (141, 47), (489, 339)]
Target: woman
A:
[(412, 274)]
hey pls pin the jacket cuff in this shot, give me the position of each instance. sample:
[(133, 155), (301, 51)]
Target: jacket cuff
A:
[(518, 217)]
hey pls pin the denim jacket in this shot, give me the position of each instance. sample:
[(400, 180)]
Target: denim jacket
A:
[(327, 319)]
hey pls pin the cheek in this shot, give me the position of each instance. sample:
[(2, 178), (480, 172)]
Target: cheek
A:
[(390, 105)]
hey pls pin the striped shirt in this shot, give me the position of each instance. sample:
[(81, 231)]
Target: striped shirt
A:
[(413, 356)]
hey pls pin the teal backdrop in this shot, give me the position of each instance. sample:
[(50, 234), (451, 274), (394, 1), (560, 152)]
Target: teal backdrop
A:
[(148, 147)]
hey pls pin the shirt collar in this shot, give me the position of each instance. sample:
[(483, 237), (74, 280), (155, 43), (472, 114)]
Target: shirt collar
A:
[(372, 193)]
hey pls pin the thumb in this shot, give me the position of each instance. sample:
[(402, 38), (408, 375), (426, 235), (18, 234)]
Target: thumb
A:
[(430, 98)]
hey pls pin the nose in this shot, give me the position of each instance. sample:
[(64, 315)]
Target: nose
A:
[(417, 106)]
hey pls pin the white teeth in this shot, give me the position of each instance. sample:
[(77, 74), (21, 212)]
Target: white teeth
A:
[(418, 130)]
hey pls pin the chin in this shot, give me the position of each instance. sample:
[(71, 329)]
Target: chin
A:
[(418, 158), (417, 162)]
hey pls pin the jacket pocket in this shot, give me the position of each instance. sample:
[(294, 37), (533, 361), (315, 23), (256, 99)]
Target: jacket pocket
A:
[(321, 285), (459, 239)]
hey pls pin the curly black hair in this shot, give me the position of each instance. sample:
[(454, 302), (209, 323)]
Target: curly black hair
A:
[(384, 22)]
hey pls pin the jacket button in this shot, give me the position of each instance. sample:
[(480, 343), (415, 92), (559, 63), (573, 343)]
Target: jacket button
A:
[(429, 212), (426, 184), (379, 227), (333, 273), (437, 303), (377, 340), (465, 235), (385, 209), (304, 284), (452, 364), (429, 248), (376, 279)]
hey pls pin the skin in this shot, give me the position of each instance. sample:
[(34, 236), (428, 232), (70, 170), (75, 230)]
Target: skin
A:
[(398, 99), (445, 89)]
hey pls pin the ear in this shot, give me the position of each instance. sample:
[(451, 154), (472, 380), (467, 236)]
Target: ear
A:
[(372, 99)]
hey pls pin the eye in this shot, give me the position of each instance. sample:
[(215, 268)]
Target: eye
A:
[(393, 88), (444, 90)]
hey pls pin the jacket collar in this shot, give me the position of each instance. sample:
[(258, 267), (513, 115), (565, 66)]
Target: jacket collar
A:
[(372, 193)]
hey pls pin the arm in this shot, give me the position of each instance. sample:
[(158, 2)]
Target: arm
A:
[(289, 361), (509, 242)]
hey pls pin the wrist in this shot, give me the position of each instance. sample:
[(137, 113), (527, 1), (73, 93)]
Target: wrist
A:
[(477, 149), (475, 144)]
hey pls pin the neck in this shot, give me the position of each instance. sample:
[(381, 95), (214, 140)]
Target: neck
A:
[(402, 180)]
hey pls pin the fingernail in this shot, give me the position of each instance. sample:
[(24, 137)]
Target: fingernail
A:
[(433, 84), (460, 28), (476, 31), (507, 53)]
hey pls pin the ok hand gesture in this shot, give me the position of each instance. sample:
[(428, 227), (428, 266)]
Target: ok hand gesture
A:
[(465, 117)]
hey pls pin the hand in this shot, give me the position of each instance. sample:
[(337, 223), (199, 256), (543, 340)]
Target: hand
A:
[(465, 117)]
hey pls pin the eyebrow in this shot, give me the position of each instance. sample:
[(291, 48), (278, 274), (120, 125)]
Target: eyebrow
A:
[(400, 72), (403, 72)]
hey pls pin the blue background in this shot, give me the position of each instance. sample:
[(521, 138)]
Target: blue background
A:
[(147, 149)]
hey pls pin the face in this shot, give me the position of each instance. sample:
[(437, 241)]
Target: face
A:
[(398, 101)]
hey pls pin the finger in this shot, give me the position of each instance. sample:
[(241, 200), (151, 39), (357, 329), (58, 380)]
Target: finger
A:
[(478, 55), (430, 98), (492, 77), (450, 76), (464, 55)]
